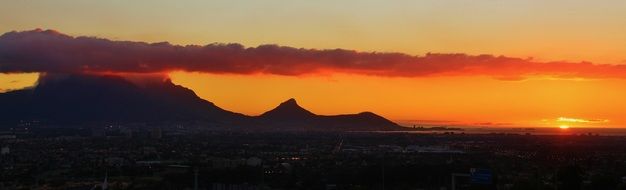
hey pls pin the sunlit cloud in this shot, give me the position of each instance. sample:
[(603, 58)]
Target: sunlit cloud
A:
[(579, 120), (55, 52)]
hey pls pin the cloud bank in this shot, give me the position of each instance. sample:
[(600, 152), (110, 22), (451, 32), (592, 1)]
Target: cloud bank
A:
[(48, 51)]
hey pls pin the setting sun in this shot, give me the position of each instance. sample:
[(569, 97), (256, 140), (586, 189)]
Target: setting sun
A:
[(564, 126)]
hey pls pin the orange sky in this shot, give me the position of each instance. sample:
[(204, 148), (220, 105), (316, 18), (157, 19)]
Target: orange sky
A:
[(572, 30), (465, 100), (457, 100)]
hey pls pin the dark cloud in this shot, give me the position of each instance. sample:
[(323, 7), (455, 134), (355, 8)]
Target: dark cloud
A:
[(51, 51)]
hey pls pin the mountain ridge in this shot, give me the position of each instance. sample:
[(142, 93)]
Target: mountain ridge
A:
[(92, 99)]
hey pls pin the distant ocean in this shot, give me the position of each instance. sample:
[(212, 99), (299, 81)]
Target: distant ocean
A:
[(529, 131)]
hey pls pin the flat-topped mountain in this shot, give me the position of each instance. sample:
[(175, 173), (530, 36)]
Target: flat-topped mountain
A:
[(79, 99), (90, 99)]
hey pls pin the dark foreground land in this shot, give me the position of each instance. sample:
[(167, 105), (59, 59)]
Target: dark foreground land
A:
[(172, 159)]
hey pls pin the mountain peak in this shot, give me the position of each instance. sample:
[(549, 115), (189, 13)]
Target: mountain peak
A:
[(288, 110), (290, 102), (291, 105)]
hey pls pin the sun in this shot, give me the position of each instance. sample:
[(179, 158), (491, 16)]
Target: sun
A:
[(564, 126)]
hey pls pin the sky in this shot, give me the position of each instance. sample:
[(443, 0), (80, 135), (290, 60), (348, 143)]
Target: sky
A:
[(565, 32)]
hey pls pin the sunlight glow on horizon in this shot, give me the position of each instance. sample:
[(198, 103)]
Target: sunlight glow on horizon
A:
[(455, 99), (578, 120), (467, 100)]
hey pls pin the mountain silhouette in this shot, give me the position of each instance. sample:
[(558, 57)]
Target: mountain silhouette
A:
[(87, 99), (288, 111), (91, 99), (290, 115)]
